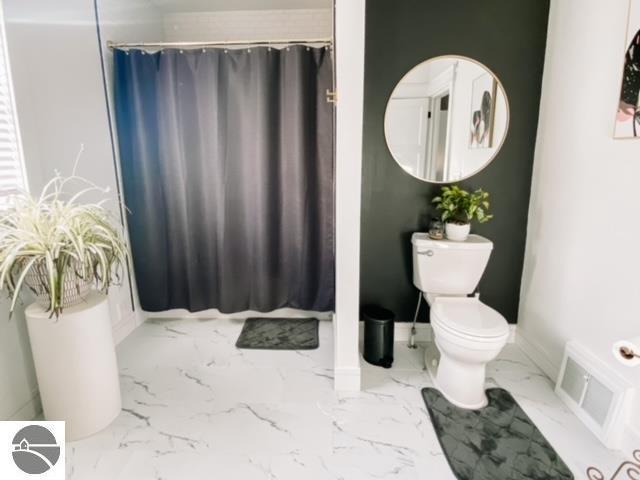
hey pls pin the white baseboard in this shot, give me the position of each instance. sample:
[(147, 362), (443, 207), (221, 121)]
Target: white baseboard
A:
[(30, 410), (125, 327), (538, 356), (347, 379)]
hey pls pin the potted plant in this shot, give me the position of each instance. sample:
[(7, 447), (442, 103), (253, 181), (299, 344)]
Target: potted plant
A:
[(67, 253), (459, 207)]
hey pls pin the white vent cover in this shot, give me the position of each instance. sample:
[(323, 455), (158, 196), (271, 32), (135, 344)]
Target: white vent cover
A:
[(594, 392)]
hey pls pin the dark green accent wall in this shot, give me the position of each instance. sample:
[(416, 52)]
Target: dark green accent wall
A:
[(509, 36)]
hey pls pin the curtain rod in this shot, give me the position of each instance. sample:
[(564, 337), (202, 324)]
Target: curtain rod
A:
[(112, 45)]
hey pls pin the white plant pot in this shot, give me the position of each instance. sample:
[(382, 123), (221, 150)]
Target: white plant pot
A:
[(76, 367), (457, 233)]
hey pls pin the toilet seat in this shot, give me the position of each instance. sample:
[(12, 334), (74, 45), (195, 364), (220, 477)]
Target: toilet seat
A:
[(468, 317)]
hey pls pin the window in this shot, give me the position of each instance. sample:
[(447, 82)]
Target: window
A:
[(12, 173)]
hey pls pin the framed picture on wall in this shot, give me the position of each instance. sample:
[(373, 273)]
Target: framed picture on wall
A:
[(483, 105), (628, 115)]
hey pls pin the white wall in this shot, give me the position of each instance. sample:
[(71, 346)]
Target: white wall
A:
[(130, 20), (60, 102), (56, 74), (581, 276), (248, 25), (349, 38)]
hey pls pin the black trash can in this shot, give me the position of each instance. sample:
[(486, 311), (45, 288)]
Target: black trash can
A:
[(378, 335)]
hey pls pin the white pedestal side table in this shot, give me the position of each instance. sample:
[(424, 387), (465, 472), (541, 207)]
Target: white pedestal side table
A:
[(76, 367)]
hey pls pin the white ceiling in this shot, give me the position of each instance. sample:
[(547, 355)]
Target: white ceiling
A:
[(173, 6)]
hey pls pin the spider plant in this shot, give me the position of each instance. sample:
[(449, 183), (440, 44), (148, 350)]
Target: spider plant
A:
[(48, 239)]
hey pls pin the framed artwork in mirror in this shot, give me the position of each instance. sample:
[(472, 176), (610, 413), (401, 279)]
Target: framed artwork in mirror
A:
[(483, 100), (627, 123)]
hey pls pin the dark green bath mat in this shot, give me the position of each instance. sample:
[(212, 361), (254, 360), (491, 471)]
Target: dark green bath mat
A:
[(497, 442), (279, 334)]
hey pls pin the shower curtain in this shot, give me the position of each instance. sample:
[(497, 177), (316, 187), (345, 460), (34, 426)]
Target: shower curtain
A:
[(227, 168)]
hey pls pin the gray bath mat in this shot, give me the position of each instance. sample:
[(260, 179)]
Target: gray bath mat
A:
[(279, 334), (497, 442)]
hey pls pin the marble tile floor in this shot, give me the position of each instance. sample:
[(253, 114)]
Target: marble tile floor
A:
[(195, 407)]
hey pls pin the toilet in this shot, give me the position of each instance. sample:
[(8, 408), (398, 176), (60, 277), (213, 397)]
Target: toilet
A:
[(467, 333)]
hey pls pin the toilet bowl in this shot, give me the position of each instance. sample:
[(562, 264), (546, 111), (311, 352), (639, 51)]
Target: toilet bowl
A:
[(468, 335)]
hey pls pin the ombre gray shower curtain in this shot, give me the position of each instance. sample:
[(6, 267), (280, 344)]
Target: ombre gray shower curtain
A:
[(228, 175)]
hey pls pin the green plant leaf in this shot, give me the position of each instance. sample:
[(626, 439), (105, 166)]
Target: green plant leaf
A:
[(459, 205)]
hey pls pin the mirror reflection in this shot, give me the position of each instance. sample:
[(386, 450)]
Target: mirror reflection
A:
[(446, 119)]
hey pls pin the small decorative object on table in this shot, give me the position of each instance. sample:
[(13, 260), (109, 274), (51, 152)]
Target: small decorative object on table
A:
[(459, 207), (436, 229), (68, 254)]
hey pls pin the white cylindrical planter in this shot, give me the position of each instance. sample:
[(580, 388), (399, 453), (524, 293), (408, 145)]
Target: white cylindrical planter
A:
[(456, 232), (76, 365)]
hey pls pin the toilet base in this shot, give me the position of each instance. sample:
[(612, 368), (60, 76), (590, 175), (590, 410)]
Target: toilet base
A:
[(432, 362), (461, 384)]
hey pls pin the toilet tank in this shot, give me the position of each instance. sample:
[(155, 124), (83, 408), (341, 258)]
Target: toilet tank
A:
[(447, 267)]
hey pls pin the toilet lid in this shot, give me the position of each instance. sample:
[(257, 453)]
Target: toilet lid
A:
[(468, 316)]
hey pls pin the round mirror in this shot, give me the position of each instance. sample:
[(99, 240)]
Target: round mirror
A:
[(446, 119)]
